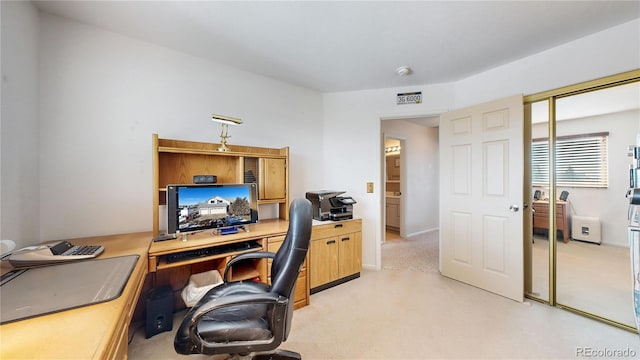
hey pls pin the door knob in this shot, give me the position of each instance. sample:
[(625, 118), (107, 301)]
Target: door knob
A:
[(514, 208)]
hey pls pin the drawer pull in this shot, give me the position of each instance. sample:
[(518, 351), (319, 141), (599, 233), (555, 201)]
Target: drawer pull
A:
[(345, 238), (337, 226), (331, 242)]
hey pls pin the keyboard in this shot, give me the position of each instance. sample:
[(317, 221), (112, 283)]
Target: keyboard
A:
[(214, 250), (78, 250)]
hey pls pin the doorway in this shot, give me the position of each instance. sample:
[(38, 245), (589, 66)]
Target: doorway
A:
[(409, 203), (393, 188)]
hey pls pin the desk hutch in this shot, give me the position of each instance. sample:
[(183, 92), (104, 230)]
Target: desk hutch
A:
[(336, 247)]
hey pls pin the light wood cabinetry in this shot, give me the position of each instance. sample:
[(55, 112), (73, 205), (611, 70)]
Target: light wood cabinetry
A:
[(324, 261), (393, 167), (301, 295), (214, 252), (177, 161), (393, 213), (335, 253), (541, 217)]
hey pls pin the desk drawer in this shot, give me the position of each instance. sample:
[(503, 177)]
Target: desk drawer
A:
[(335, 229), (541, 215)]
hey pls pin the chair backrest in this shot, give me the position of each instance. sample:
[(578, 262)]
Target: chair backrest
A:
[(287, 262)]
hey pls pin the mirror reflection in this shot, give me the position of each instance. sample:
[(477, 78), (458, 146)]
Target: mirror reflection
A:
[(593, 133), (594, 272)]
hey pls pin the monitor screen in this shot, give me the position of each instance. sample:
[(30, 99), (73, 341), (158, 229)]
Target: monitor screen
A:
[(210, 206)]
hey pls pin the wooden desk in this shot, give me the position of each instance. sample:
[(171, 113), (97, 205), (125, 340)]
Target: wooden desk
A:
[(541, 217), (205, 239), (269, 234), (97, 331), (325, 265)]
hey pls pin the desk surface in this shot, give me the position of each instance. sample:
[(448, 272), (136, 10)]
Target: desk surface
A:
[(546, 201), (87, 332), (265, 228)]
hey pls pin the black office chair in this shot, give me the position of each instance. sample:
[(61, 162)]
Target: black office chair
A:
[(246, 318)]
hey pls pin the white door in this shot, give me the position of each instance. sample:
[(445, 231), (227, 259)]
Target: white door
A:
[(481, 185)]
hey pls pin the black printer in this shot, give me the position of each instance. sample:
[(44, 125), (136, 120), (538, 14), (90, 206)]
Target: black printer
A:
[(327, 205)]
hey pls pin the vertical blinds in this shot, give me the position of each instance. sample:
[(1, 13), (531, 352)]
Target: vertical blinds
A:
[(581, 161)]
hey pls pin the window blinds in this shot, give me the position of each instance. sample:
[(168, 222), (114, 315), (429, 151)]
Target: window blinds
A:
[(581, 161)]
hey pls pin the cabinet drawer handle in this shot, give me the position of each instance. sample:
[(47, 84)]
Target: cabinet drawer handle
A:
[(345, 238), (337, 226), (331, 242)]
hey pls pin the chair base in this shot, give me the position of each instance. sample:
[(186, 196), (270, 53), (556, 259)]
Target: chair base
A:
[(277, 354)]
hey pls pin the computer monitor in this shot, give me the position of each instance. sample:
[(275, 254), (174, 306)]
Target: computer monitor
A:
[(193, 207)]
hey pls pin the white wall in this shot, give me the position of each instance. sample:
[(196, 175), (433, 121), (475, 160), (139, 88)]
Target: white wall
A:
[(610, 204), (357, 113), (352, 148), (19, 191), (420, 168), (102, 95)]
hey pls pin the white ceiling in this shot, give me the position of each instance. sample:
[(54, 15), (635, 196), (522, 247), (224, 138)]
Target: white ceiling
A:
[(334, 46)]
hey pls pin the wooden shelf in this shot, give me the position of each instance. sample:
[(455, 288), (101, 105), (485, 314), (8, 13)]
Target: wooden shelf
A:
[(244, 272), (178, 161), (173, 150)]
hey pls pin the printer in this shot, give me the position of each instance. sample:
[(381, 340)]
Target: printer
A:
[(327, 205)]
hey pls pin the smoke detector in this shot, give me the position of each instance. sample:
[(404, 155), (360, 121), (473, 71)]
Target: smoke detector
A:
[(403, 70)]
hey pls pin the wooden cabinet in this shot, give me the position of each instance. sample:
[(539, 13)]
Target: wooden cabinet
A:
[(177, 161), (301, 295), (272, 185), (335, 253), (324, 261), (541, 217), (393, 213), (393, 167)]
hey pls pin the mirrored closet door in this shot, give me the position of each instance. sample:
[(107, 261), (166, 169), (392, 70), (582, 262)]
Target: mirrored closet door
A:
[(580, 256), (539, 193)]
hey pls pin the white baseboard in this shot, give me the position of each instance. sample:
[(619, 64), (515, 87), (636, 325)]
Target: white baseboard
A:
[(423, 232)]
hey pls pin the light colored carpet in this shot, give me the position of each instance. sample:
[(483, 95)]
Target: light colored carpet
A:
[(405, 314), (418, 253), (409, 311), (593, 278)]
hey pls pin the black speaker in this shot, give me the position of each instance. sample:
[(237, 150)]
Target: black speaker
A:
[(205, 179), (159, 311)]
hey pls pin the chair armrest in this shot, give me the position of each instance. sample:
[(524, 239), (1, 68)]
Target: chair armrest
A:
[(246, 256), (233, 300), (278, 302)]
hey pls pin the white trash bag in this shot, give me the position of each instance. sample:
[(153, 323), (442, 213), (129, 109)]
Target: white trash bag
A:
[(198, 285)]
